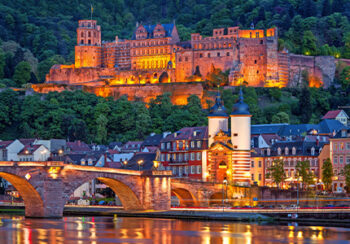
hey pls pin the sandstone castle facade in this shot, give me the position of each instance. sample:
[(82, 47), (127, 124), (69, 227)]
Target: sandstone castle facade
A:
[(155, 54)]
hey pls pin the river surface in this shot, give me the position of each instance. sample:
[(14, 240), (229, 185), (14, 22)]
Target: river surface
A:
[(17, 229)]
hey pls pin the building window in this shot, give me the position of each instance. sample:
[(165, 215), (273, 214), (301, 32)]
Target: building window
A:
[(174, 170), (257, 34), (293, 151), (259, 164), (348, 146), (255, 61), (174, 146), (186, 170), (186, 157), (341, 161), (199, 169), (279, 151), (192, 169), (208, 55), (252, 177), (192, 156), (259, 177), (200, 55), (192, 144), (181, 145), (168, 157), (268, 152), (162, 146), (218, 54), (235, 134), (252, 164), (180, 157), (261, 42), (335, 160), (347, 159), (180, 59), (227, 54), (186, 59), (199, 144), (199, 155), (286, 151), (312, 151)]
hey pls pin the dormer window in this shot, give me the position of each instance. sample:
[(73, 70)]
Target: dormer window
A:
[(279, 151), (294, 151), (312, 151), (90, 161), (286, 151), (268, 152), (82, 161)]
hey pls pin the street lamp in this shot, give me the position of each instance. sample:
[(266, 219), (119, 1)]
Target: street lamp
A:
[(125, 163), (155, 164), (140, 162), (224, 182)]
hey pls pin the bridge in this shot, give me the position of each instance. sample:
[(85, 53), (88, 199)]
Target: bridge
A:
[(46, 186)]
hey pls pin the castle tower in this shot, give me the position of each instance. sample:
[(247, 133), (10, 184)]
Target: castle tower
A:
[(88, 48), (240, 138), (217, 119)]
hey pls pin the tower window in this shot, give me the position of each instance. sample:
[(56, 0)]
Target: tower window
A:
[(235, 134)]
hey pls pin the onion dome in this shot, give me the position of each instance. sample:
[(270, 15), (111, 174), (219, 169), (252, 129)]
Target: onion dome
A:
[(218, 110), (240, 108)]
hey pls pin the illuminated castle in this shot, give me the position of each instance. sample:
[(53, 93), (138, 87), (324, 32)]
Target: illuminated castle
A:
[(155, 55)]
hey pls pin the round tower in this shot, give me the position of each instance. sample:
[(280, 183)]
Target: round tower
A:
[(240, 138), (217, 119)]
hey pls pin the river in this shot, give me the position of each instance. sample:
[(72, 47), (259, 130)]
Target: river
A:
[(17, 229)]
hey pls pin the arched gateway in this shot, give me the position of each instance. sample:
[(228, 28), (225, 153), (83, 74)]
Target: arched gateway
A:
[(46, 186)]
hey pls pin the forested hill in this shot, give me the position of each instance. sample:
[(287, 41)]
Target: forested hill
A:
[(47, 27)]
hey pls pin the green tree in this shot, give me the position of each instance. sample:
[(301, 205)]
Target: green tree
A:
[(346, 49), (327, 173), (345, 77), (2, 63), (305, 106), (276, 172), (309, 46), (22, 73), (303, 171), (280, 117), (101, 135), (346, 173)]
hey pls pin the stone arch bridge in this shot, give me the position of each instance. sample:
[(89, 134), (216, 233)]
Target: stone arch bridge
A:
[(46, 186)]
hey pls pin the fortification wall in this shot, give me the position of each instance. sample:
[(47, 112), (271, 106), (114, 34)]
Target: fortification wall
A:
[(321, 70), (179, 91)]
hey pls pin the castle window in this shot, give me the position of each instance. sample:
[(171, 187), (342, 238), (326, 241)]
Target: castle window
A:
[(208, 55), (218, 54), (89, 41), (200, 55), (255, 61), (257, 71), (82, 42), (235, 134), (261, 42), (89, 34), (227, 54), (186, 59), (82, 34), (257, 35), (94, 34)]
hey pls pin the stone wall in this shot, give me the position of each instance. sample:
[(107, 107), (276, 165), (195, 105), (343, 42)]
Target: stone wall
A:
[(321, 70), (179, 91)]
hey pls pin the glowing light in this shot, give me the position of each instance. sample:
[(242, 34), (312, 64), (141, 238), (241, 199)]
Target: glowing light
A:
[(28, 176)]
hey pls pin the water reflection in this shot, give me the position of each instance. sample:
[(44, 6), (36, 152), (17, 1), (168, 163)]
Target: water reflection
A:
[(142, 230)]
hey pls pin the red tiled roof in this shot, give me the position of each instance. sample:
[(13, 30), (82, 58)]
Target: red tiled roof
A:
[(5, 143), (331, 114), (78, 146), (29, 150), (27, 141), (187, 133)]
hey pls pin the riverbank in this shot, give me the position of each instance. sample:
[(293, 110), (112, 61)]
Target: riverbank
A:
[(334, 218)]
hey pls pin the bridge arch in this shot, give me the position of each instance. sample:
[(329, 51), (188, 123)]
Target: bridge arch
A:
[(125, 193), (185, 197), (32, 200)]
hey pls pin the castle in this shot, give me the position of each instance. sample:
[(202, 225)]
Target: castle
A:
[(155, 54)]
